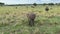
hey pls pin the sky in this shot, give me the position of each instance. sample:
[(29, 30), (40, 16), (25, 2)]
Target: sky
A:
[(29, 1)]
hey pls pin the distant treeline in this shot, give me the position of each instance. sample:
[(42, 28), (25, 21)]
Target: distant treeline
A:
[(3, 4)]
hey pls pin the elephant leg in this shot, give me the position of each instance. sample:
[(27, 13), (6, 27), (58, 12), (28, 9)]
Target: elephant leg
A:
[(31, 22)]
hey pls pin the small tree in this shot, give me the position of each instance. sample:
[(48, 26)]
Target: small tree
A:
[(47, 9), (34, 4), (1, 4), (44, 4)]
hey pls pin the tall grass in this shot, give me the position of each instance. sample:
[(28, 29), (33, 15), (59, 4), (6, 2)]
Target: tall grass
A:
[(14, 21)]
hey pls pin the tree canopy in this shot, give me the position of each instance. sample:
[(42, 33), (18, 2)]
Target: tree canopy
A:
[(1, 3)]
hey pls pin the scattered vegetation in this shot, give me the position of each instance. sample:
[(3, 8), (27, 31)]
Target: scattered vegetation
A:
[(15, 21)]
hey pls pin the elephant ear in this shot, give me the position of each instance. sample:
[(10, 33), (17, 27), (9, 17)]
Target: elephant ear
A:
[(31, 15)]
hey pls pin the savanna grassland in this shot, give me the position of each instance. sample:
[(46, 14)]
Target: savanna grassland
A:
[(13, 20)]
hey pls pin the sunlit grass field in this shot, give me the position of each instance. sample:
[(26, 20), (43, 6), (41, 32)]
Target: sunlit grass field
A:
[(13, 20)]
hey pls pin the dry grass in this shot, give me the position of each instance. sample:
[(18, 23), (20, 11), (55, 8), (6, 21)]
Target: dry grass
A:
[(14, 21)]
